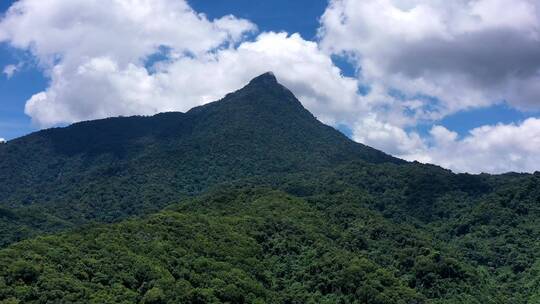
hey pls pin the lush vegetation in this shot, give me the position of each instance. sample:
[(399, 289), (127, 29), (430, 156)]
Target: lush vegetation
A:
[(251, 200), (111, 169), (257, 245)]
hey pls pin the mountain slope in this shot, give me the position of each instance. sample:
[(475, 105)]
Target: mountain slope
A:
[(109, 169)]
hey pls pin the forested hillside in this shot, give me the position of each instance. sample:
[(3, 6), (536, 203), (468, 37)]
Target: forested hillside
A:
[(251, 200), (256, 245), (110, 169)]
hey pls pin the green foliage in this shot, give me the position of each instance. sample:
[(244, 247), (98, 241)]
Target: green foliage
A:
[(255, 245), (264, 247)]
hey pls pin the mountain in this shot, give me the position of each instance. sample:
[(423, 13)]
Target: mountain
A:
[(250, 199), (109, 169)]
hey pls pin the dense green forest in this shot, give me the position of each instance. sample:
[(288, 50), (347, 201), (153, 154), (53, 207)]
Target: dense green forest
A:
[(258, 245), (251, 200)]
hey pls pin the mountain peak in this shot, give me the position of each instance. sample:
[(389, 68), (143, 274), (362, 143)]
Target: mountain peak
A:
[(267, 78)]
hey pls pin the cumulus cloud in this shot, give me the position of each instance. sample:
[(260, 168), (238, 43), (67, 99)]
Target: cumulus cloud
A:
[(466, 53), (95, 53), (100, 87), (494, 149), (387, 137), (487, 149), (124, 30), (437, 58), (2, 140), (98, 63), (108, 72)]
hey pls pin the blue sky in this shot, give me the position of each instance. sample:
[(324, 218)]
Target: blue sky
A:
[(277, 15), (379, 71), (14, 92)]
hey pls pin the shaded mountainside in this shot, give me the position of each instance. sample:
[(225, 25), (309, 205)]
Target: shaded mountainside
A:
[(109, 169), (263, 204)]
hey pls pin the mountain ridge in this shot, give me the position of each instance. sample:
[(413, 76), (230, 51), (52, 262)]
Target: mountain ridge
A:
[(258, 130), (247, 96)]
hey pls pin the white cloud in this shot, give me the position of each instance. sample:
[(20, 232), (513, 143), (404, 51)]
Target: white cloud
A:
[(10, 69), (94, 53), (467, 53), (387, 137), (494, 149), (2, 140), (105, 73), (443, 57), (125, 30), (100, 87)]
